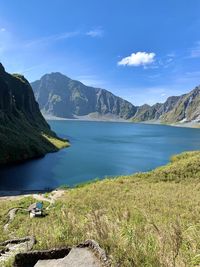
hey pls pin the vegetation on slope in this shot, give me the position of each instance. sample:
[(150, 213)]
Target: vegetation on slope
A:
[(61, 96), (175, 109), (146, 219), (187, 108), (22, 126), (58, 143), (20, 141)]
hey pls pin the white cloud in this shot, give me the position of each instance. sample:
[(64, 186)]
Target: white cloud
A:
[(6, 40), (95, 33), (9, 42), (169, 60), (145, 95), (138, 59), (171, 55), (189, 78), (154, 76), (195, 51), (62, 36), (52, 38), (152, 95)]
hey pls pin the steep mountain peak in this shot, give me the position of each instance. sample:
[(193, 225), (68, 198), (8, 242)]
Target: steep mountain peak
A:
[(23, 129), (2, 69), (196, 90), (184, 108), (61, 96), (54, 75), (145, 106)]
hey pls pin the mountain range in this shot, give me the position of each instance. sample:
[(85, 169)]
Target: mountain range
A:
[(176, 109), (24, 133), (60, 96), (63, 97)]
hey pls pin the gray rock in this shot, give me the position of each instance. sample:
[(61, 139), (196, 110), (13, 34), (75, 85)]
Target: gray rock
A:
[(88, 253), (61, 96), (184, 108), (78, 257)]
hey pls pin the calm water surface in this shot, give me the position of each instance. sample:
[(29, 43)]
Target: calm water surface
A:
[(100, 149)]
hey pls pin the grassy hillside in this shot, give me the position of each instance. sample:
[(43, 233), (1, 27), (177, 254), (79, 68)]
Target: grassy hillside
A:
[(146, 219), (187, 108), (20, 141), (23, 130), (176, 109)]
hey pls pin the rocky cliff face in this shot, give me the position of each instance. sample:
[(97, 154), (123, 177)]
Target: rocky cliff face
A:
[(61, 96), (22, 127), (155, 112), (184, 108)]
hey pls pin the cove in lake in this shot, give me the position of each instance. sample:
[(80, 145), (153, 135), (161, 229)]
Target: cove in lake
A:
[(100, 149)]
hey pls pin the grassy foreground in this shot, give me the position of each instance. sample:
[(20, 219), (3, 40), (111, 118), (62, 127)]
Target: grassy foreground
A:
[(147, 219)]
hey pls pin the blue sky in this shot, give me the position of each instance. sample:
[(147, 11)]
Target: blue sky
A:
[(141, 50)]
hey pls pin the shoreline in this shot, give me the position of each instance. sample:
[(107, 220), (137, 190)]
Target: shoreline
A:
[(18, 194), (86, 118), (15, 194), (194, 125)]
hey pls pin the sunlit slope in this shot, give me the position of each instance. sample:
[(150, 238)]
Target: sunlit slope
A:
[(147, 219), (22, 126)]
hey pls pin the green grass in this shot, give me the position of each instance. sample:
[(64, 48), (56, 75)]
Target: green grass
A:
[(20, 141), (147, 219), (58, 143), (24, 133)]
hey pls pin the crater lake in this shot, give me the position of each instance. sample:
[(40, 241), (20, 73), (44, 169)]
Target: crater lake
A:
[(99, 150)]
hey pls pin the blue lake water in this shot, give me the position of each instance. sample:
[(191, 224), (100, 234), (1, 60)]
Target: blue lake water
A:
[(100, 149)]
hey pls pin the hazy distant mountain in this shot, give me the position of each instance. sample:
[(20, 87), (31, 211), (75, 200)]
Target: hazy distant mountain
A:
[(61, 96), (22, 126), (184, 108), (155, 112)]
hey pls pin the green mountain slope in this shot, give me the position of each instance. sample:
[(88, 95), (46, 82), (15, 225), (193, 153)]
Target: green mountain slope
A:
[(187, 109), (184, 108), (155, 112), (24, 133), (61, 96)]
